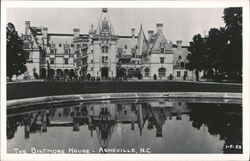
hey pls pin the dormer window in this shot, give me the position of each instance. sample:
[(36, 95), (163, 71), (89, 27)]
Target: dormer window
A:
[(178, 64), (162, 50), (26, 45), (182, 64)]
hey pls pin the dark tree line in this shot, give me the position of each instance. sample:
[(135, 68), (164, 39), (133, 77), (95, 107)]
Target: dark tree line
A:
[(15, 54), (219, 54)]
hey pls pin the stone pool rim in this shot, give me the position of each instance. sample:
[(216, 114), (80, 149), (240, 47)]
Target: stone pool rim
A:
[(19, 103)]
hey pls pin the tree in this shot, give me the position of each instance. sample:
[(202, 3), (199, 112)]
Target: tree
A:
[(219, 53), (215, 46), (15, 54), (197, 58), (233, 33)]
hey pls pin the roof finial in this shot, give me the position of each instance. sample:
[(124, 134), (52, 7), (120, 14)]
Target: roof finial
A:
[(105, 10)]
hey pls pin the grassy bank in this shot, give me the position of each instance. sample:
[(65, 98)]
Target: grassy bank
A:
[(38, 89)]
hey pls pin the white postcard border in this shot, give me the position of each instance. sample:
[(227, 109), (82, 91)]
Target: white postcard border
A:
[(129, 4)]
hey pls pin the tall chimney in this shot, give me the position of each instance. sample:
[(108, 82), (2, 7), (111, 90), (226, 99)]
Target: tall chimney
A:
[(76, 33), (27, 28), (150, 33), (45, 32), (133, 32), (27, 25), (159, 27), (179, 44)]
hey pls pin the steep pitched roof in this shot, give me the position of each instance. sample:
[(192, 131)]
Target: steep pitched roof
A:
[(34, 31), (105, 22), (142, 41), (158, 37)]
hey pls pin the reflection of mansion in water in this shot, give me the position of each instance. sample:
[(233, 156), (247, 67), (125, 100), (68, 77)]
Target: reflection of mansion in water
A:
[(103, 54), (103, 118)]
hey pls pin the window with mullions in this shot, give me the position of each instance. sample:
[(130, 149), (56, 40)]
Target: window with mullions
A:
[(146, 72), (161, 60), (186, 73), (66, 46), (182, 64), (52, 61), (162, 72), (66, 61), (104, 49), (104, 59), (178, 73)]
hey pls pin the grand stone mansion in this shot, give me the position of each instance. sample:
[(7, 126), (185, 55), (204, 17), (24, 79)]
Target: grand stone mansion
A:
[(102, 54)]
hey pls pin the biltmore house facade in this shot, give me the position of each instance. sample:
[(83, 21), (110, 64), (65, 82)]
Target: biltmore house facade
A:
[(102, 54)]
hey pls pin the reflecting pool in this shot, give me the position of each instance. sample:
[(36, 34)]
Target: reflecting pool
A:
[(127, 126)]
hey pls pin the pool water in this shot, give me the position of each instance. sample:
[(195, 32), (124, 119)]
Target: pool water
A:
[(127, 126)]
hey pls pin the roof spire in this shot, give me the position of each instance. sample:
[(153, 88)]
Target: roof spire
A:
[(104, 24)]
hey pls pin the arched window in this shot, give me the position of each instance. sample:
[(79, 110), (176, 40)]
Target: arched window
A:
[(146, 72), (130, 72), (162, 72)]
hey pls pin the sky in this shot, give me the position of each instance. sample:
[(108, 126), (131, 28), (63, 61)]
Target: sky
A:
[(178, 23)]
